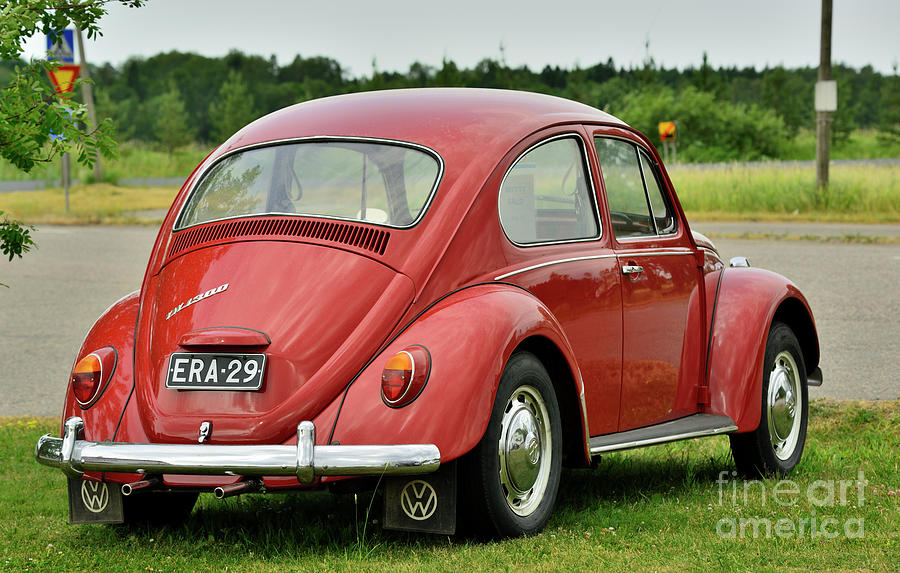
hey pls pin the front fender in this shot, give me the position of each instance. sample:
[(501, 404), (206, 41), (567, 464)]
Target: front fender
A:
[(115, 328), (470, 335), (748, 301)]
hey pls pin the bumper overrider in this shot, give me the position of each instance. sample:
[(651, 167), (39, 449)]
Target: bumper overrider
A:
[(307, 461)]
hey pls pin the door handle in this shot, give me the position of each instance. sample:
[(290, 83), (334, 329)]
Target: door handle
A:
[(632, 269)]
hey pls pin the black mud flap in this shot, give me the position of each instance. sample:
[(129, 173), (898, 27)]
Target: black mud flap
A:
[(95, 502), (424, 503)]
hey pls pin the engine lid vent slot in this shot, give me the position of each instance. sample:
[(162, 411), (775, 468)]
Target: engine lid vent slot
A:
[(360, 236)]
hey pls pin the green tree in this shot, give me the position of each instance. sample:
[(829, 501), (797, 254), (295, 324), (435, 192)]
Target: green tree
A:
[(889, 121), (708, 129), (31, 110), (706, 79), (843, 123), (172, 127), (233, 109), (788, 95), (449, 74)]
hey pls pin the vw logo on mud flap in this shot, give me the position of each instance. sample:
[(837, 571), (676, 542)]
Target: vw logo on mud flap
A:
[(94, 495), (418, 500)]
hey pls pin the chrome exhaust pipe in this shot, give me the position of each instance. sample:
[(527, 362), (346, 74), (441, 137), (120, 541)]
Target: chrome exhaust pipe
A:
[(130, 488), (246, 486)]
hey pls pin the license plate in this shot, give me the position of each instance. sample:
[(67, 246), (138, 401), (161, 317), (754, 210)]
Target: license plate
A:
[(192, 371)]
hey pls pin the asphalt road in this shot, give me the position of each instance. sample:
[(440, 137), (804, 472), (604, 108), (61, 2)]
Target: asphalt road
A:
[(56, 292)]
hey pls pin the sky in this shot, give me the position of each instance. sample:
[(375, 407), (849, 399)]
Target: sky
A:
[(565, 33)]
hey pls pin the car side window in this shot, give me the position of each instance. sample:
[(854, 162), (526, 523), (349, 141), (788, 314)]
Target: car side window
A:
[(637, 204), (544, 196), (628, 205), (662, 213)]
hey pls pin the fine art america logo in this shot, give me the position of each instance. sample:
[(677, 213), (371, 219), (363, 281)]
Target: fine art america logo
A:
[(197, 298), (820, 496), (418, 500), (94, 495)]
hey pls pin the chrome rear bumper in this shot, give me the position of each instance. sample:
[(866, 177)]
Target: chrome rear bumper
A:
[(74, 456)]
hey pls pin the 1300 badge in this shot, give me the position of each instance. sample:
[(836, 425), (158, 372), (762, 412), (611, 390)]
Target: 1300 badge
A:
[(196, 298)]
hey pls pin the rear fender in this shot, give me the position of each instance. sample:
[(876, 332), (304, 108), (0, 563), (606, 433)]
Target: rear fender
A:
[(115, 328), (470, 336), (749, 300)]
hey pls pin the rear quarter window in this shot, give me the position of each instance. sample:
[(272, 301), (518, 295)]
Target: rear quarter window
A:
[(545, 197)]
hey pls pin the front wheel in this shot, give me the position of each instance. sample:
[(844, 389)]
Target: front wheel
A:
[(512, 476), (776, 445)]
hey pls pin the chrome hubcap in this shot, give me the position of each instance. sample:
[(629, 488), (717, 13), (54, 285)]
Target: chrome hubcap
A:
[(784, 408), (524, 450)]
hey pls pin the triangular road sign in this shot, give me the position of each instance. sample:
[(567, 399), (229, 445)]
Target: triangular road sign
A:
[(63, 76)]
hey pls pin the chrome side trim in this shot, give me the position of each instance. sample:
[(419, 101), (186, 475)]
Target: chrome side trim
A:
[(695, 426), (711, 252), (634, 254), (556, 262), (305, 460)]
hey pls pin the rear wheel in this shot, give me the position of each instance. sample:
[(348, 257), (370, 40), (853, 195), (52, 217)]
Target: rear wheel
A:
[(776, 445), (511, 478)]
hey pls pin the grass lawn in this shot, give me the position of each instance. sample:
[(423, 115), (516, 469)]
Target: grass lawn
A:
[(857, 194), (659, 508), (860, 144), (101, 203)]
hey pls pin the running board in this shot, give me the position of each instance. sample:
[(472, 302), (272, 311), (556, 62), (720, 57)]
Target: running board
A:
[(695, 426)]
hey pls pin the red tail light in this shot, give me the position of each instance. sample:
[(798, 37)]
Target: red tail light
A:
[(91, 374), (405, 375)]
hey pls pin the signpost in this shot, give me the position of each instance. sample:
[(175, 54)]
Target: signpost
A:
[(825, 101), (668, 136), (59, 47)]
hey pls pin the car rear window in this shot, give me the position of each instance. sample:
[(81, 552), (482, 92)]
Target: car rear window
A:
[(375, 182)]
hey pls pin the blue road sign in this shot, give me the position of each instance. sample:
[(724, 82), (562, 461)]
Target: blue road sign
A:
[(63, 48)]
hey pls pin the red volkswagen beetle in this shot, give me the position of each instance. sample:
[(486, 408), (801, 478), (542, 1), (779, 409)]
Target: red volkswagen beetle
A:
[(454, 292)]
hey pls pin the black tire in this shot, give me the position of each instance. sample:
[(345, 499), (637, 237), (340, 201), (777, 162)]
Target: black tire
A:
[(158, 508), (513, 493), (775, 447)]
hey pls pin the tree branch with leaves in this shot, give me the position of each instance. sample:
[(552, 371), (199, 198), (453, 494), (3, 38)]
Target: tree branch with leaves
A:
[(36, 122), (15, 238), (31, 110)]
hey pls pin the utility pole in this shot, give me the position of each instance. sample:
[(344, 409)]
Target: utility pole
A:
[(87, 92), (825, 101)]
